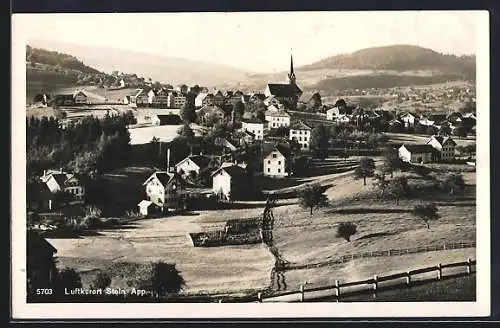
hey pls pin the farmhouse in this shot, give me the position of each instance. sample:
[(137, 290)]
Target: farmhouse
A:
[(416, 153), (203, 99), (230, 182), (255, 126), (218, 98), (57, 181), (408, 119), (167, 119), (445, 147), (276, 161), (192, 163), (332, 113), (277, 119), (144, 97), (79, 98), (166, 190), (210, 111), (160, 98), (64, 100), (287, 94), (301, 132), (424, 121), (176, 99), (147, 207)]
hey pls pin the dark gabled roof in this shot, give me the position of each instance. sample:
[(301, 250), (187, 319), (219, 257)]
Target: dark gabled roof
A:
[(252, 120), (283, 149), (420, 148), (64, 97), (284, 90), (169, 119), (36, 243), (437, 117), (200, 160), (443, 139), (60, 178), (163, 176), (300, 126), (235, 171)]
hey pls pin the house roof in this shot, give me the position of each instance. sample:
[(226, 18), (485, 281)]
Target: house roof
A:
[(282, 149), (442, 140), (284, 90), (36, 243), (280, 113), (300, 126), (144, 203), (234, 170), (252, 121), (163, 176), (200, 160), (169, 119), (419, 148)]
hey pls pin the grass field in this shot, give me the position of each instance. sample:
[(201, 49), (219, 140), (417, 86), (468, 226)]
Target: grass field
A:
[(299, 237)]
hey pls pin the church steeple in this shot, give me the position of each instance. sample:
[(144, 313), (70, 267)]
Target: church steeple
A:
[(291, 75)]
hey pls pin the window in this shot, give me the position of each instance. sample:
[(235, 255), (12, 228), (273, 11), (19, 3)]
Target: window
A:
[(279, 162), (279, 170), (268, 162), (268, 170), (300, 138), (275, 156)]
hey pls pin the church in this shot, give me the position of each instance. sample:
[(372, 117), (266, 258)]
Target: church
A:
[(287, 93)]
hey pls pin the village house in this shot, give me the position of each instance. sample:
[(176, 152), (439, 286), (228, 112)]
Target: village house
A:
[(57, 181), (424, 121), (231, 181), (192, 163), (204, 99), (445, 147), (176, 99), (417, 153), (144, 97), (166, 190), (80, 98), (332, 113), (129, 100), (41, 99), (301, 132), (408, 120), (277, 162), (166, 119), (255, 126), (64, 100), (160, 98), (218, 98), (277, 119), (204, 113)]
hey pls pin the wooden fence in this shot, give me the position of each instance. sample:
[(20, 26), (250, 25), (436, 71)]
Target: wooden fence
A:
[(338, 290), (383, 253)]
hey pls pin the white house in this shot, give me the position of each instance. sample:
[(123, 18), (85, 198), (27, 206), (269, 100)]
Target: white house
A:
[(176, 100), (426, 122), (80, 98), (408, 119), (192, 163), (301, 132), (230, 182), (277, 119), (445, 147), (416, 153), (199, 100), (165, 190), (332, 113), (254, 126), (57, 181), (276, 162)]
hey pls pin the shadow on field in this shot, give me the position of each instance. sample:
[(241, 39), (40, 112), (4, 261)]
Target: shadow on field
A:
[(377, 234), (364, 210)]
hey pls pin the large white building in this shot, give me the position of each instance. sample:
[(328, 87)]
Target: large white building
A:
[(301, 132), (416, 153), (254, 126), (445, 147), (277, 119)]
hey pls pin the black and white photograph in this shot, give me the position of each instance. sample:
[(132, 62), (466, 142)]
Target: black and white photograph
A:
[(236, 164)]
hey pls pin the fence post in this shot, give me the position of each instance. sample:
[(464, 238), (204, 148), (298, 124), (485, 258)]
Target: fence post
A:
[(259, 297), (302, 293), (440, 271), (408, 278), (337, 290), (375, 285), (469, 266)]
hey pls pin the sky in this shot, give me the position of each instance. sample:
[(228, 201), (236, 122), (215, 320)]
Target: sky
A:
[(256, 42)]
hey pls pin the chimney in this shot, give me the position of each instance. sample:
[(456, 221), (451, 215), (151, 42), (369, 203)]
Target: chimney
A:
[(168, 159), (44, 172)]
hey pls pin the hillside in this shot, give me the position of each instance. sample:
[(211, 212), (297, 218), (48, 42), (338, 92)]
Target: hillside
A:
[(158, 68), (398, 58)]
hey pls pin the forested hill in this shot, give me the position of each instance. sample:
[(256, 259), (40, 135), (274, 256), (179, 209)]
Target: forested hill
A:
[(398, 58), (59, 61)]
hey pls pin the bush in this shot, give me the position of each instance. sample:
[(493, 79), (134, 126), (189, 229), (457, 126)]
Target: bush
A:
[(102, 280), (346, 230), (67, 278)]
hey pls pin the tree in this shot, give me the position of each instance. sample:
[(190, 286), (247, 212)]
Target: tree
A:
[(445, 130), (426, 212), (397, 188), (239, 108), (312, 196), (186, 132), (260, 115), (314, 103), (320, 141), (188, 113), (380, 182), (346, 230), (102, 280), (160, 277), (453, 183), (392, 162), (365, 169)]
